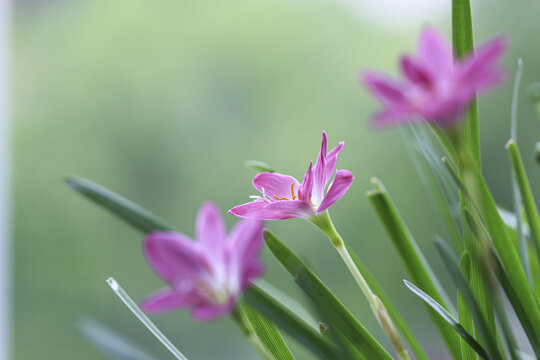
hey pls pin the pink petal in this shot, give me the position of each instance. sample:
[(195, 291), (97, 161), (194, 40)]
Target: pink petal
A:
[(167, 300), (416, 73), (383, 88), (319, 172), (393, 116), (258, 210), (339, 187), (291, 209), (331, 161), (252, 273), (173, 256), (210, 231), (480, 68), (435, 52), (306, 189), (208, 311), (246, 239), (276, 185)]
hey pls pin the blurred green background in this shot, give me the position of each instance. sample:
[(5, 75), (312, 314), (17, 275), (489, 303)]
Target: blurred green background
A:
[(162, 101)]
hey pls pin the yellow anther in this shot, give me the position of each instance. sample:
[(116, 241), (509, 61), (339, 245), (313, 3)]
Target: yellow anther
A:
[(292, 191), (281, 198)]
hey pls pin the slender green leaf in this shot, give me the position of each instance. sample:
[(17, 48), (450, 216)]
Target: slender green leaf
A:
[(290, 323), (325, 308), (525, 191), (499, 271), (449, 318), (390, 308), (318, 292), (144, 221), (141, 219), (267, 333), (258, 166), (434, 177), (505, 248), (128, 301), (462, 39), (413, 259), (516, 195), (291, 302), (465, 317), (452, 264), (514, 298), (110, 342)]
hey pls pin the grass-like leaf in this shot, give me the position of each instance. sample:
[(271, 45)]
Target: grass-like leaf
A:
[(289, 322), (413, 259), (465, 318), (506, 250), (390, 308), (513, 297), (486, 334), (136, 216), (340, 317), (449, 318), (463, 42), (516, 194), (110, 342), (128, 301), (258, 166), (267, 332), (525, 191)]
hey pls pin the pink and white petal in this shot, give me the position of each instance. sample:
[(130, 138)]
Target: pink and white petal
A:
[(276, 185), (339, 187), (305, 190), (173, 256), (435, 52), (257, 210), (246, 239), (210, 229), (383, 88), (393, 116), (319, 172), (168, 300), (331, 160), (205, 312), (483, 61), (416, 73), (291, 209), (251, 273)]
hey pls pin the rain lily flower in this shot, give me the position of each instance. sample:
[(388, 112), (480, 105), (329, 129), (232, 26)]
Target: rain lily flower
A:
[(206, 275), (284, 197), (436, 86)]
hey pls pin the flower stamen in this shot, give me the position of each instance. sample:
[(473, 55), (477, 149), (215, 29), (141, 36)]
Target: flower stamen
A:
[(286, 198), (281, 198)]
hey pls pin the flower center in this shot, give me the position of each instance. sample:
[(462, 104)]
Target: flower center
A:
[(294, 197)]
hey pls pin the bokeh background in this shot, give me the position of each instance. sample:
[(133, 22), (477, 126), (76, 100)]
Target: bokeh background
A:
[(162, 101)]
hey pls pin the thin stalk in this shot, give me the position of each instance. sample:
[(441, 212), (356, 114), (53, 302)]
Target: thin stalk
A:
[(128, 301), (324, 223), (240, 318)]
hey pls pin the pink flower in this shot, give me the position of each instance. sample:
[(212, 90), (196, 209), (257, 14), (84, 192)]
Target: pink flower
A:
[(284, 197), (436, 87), (207, 275)]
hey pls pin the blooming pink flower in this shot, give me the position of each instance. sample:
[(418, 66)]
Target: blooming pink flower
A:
[(284, 197), (436, 87), (207, 275)]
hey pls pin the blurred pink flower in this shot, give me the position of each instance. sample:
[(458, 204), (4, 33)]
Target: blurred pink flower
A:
[(436, 87), (207, 275), (284, 197)]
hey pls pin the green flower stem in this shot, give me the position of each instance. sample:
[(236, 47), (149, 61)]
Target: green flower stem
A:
[(240, 318), (324, 223)]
